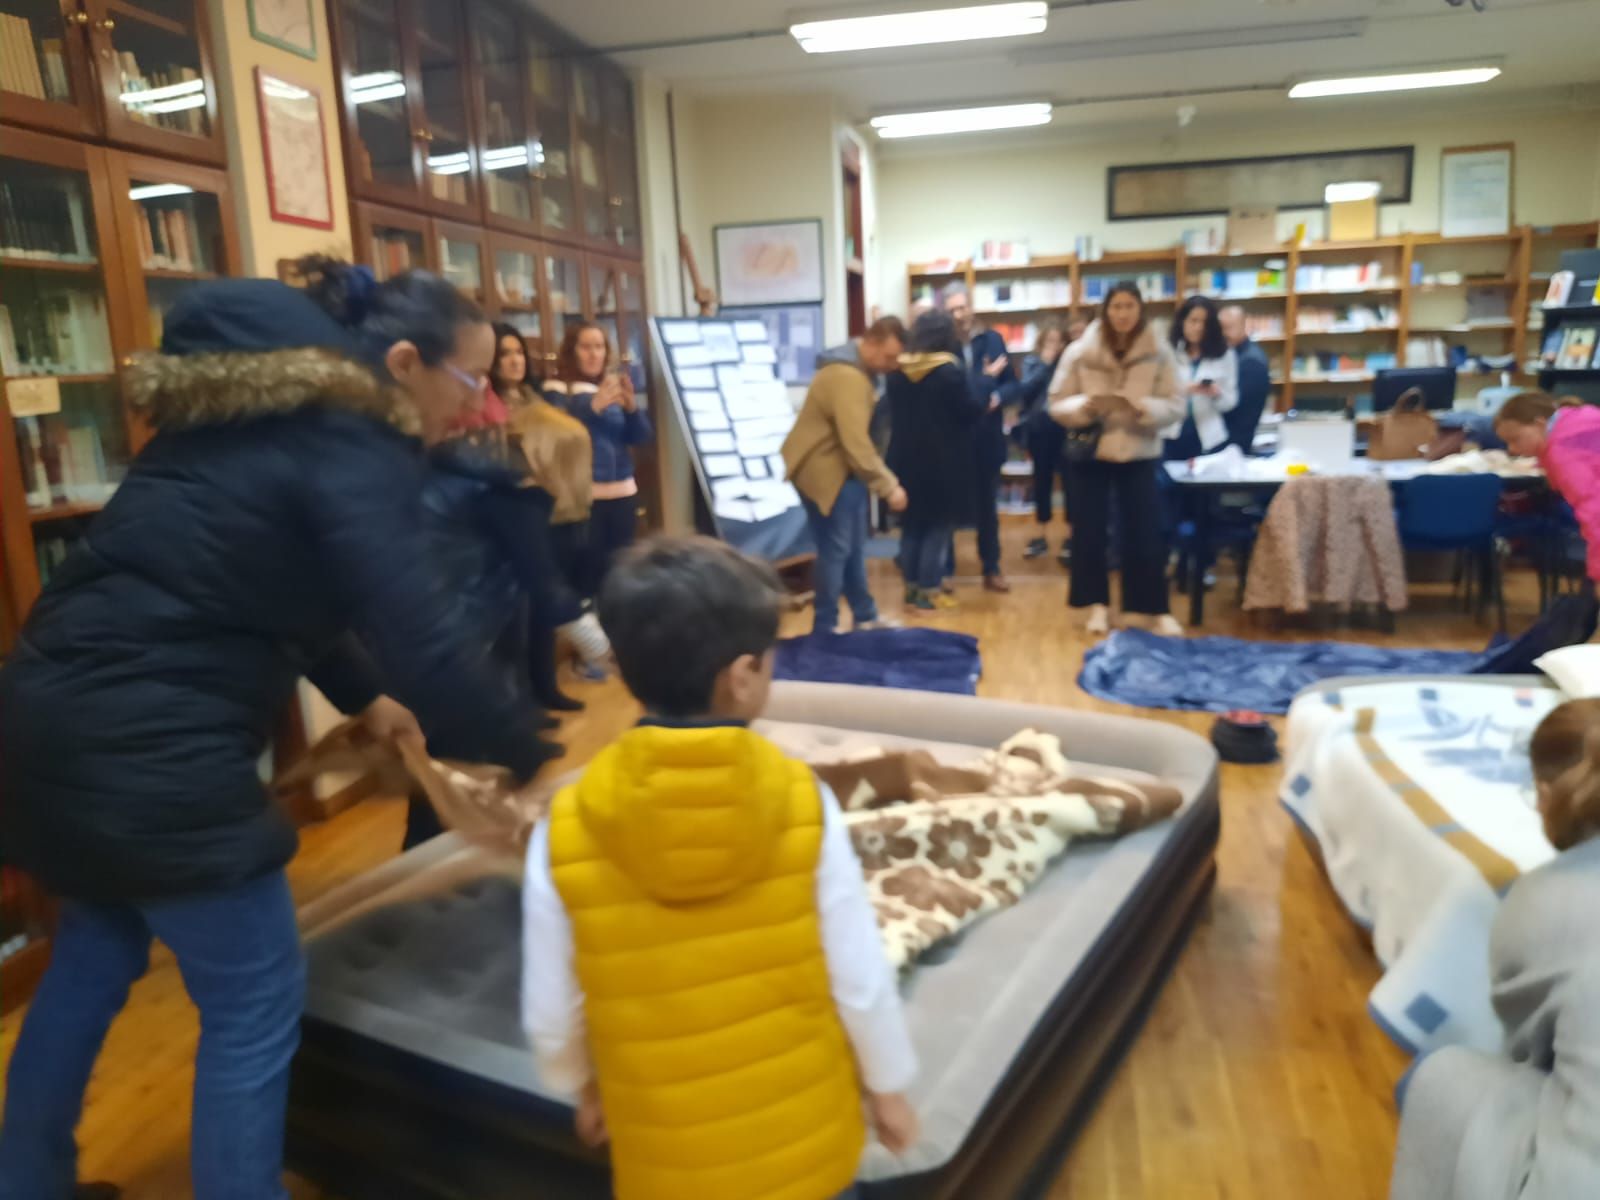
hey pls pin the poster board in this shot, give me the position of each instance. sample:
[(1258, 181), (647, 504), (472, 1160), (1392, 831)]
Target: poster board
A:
[(721, 377), (796, 333), (1475, 190)]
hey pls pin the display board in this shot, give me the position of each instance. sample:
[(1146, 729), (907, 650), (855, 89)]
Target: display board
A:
[(721, 375)]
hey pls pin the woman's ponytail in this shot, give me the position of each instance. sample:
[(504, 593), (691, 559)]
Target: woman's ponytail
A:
[(417, 307)]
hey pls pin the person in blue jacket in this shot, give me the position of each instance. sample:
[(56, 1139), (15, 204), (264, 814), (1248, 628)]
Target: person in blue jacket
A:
[(270, 529), (603, 400), (1038, 434), (1255, 379), (989, 374)]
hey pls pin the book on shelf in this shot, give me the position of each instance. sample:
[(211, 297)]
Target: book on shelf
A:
[(1577, 347), (1338, 277), (1430, 351), (169, 239), (62, 463), (1022, 294), (134, 79), (1488, 305), (1560, 289), (1222, 284), (19, 63), (391, 254), (1350, 318), (44, 222), (1153, 285), (1001, 254), (62, 332)]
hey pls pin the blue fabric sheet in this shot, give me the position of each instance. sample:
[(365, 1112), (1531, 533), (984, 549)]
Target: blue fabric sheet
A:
[(925, 660), (1216, 674)]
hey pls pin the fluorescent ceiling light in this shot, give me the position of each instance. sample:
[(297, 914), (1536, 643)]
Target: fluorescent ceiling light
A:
[(1339, 193), (154, 191), (372, 79), (1397, 82), (503, 157), (450, 164), (283, 89), (1185, 43), (922, 28), (376, 85), (962, 120), (148, 95)]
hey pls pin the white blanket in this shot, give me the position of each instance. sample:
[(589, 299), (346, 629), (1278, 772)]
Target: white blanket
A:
[(1421, 798)]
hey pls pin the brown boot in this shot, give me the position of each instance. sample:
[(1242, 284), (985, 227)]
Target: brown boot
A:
[(996, 583)]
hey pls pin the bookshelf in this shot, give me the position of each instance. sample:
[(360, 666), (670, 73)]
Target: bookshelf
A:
[(1329, 315)]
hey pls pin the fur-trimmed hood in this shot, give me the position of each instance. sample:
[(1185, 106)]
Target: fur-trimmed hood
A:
[(239, 349)]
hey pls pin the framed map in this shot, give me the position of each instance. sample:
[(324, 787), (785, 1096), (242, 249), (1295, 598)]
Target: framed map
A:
[(299, 191), (769, 262), (287, 24)]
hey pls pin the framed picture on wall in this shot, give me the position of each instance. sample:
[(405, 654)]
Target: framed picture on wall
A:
[(287, 24), (1475, 190), (795, 331), (769, 262), (295, 148)]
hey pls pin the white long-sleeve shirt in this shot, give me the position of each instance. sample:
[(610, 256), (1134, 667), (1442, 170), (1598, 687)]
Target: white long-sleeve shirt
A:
[(1208, 410), (864, 987)]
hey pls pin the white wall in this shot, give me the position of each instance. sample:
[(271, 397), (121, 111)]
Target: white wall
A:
[(946, 199)]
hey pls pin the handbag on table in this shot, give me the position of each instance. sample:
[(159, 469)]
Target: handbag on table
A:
[(1404, 430)]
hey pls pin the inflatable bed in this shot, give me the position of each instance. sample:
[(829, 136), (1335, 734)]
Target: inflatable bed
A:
[(414, 1079), (1416, 793)]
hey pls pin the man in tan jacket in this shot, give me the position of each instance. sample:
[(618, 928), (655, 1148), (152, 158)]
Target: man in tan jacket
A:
[(834, 465)]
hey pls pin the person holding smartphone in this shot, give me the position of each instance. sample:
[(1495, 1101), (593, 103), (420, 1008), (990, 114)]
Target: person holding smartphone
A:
[(601, 395), (1208, 379)]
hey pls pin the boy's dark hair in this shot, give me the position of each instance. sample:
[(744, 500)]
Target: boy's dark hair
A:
[(678, 610), (887, 327), (934, 332)]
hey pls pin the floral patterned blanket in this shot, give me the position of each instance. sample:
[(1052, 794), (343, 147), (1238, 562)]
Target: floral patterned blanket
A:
[(941, 847)]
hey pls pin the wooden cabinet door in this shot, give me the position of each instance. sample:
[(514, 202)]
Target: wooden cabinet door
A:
[(381, 102), (622, 170), (392, 240), (589, 152), (552, 153), (64, 322), (516, 292), (47, 82), (152, 60), (505, 147), (449, 169), (461, 254), (564, 298)]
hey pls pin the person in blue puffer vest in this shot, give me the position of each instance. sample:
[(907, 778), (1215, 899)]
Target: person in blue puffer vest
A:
[(272, 528), (604, 400)]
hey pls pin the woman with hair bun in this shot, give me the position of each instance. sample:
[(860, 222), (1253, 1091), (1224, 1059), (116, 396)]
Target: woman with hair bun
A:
[(1564, 435), (272, 528)]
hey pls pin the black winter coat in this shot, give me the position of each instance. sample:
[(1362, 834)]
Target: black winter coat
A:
[(930, 451), (276, 510)]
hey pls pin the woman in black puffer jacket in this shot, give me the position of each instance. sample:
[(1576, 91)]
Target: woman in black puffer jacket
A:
[(271, 529)]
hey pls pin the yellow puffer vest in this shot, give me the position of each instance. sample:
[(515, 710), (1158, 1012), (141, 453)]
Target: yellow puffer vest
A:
[(687, 861)]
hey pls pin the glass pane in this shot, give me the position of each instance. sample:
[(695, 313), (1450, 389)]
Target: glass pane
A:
[(395, 250), (180, 241), (45, 215), (624, 191), (384, 142), (603, 300), (158, 53), (596, 211), (78, 455), (552, 137), (586, 93), (633, 355), (461, 262), (505, 148), (517, 285), (564, 285), (35, 64), (449, 160)]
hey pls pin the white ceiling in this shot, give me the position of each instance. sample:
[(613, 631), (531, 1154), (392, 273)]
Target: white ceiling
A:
[(1109, 63)]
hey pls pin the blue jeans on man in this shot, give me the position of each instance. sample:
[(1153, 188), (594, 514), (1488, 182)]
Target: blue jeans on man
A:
[(239, 954), (841, 538)]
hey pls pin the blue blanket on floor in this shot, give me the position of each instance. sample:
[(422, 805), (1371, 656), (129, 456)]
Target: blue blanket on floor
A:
[(924, 660), (1217, 674)]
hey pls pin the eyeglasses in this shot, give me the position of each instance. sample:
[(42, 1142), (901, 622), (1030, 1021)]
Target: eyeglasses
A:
[(475, 383)]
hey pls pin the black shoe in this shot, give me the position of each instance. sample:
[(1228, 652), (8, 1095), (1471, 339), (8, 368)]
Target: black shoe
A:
[(1036, 548), (1065, 557), (561, 702), (96, 1191)]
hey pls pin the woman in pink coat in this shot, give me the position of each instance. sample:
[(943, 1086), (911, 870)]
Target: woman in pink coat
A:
[(1565, 437)]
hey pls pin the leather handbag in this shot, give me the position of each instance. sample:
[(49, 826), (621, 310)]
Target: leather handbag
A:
[(1405, 429), (1083, 443)]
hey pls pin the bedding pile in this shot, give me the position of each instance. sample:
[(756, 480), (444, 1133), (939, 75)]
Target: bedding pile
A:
[(940, 846)]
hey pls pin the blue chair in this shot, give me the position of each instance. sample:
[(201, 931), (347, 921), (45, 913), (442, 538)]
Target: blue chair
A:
[(1456, 512)]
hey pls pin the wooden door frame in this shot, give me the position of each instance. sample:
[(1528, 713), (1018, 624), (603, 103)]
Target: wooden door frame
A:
[(366, 213)]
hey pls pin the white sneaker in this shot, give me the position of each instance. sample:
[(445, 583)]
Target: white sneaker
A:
[(1166, 625), (879, 623), (1098, 623)]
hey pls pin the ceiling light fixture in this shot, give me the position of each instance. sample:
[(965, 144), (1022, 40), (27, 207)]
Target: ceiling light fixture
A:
[(922, 28), (962, 120), (1399, 81)]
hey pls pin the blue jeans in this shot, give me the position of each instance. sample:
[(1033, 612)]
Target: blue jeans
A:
[(925, 555), (239, 953), (841, 538)]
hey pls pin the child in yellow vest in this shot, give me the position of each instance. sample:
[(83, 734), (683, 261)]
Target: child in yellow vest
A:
[(701, 964)]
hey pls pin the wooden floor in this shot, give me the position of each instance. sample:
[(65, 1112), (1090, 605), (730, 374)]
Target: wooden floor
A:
[(1258, 1073)]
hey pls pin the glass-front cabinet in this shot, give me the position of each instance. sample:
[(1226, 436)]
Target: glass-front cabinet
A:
[(445, 130), (381, 132), (505, 151), (461, 253), (564, 300), (622, 183), (590, 145), (515, 298), (552, 154), (137, 72)]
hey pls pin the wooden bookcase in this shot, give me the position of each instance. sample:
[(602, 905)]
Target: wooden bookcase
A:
[(109, 209), (1418, 294)]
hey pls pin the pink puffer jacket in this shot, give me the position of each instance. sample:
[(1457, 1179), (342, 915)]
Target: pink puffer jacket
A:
[(1571, 459)]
